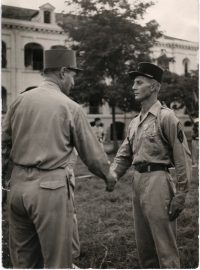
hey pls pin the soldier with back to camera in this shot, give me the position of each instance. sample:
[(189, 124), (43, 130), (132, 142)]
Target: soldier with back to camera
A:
[(40, 130)]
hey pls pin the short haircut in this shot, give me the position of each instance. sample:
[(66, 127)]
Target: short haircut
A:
[(50, 70), (97, 119), (53, 70), (157, 84)]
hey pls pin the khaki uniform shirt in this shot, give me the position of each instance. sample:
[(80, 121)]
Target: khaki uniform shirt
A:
[(41, 128), (144, 144)]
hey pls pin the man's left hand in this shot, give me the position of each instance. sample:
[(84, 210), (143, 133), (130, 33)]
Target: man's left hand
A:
[(176, 206)]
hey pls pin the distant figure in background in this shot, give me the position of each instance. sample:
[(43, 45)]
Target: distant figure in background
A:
[(98, 130)]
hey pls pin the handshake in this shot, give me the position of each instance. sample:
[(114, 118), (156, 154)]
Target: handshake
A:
[(111, 180)]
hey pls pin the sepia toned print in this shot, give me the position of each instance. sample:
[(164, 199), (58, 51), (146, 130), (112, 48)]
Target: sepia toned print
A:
[(100, 89)]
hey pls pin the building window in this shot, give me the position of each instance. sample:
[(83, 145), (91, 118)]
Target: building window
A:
[(119, 131), (4, 100), (186, 66), (47, 16), (93, 109), (33, 56), (3, 55)]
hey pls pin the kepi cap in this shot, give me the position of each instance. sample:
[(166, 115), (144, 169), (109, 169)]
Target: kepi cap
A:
[(147, 70), (57, 58)]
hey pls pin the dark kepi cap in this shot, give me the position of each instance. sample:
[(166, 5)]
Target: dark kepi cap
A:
[(147, 70), (57, 58)]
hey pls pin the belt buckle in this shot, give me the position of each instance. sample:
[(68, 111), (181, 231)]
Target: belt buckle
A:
[(148, 168)]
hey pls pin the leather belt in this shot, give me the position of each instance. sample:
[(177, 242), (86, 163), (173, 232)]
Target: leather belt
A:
[(38, 168), (151, 167)]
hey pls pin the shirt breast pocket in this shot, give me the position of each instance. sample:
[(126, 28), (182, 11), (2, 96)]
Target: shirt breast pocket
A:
[(152, 136), (151, 131), (151, 140)]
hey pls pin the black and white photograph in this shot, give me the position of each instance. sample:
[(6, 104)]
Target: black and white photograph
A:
[(100, 134)]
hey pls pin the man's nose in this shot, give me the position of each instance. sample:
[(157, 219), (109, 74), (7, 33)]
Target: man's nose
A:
[(133, 87)]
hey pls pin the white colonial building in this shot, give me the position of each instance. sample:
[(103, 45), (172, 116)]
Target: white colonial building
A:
[(26, 33), (182, 54)]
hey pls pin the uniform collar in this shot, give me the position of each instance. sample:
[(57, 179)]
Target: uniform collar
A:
[(154, 108), (51, 84)]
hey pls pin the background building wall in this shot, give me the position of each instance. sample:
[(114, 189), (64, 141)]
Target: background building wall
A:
[(181, 50), (17, 77), (16, 34)]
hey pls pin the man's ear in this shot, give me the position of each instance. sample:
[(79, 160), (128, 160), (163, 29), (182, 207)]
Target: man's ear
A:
[(62, 72), (153, 85)]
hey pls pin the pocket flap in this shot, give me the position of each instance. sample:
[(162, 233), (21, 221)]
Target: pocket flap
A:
[(53, 184)]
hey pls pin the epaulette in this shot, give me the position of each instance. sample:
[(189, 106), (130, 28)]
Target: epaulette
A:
[(23, 92), (135, 115), (160, 128), (28, 89), (165, 107), (134, 118), (166, 110)]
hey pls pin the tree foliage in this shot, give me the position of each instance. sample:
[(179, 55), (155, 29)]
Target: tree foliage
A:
[(183, 89), (110, 43)]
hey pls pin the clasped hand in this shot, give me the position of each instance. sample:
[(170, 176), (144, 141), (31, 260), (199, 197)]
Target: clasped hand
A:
[(111, 180)]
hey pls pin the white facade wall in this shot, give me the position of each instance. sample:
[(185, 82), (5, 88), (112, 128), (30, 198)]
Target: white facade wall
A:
[(16, 34), (180, 50)]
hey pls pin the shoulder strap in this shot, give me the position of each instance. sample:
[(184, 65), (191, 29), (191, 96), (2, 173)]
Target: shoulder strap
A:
[(163, 137), (28, 89), (160, 126)]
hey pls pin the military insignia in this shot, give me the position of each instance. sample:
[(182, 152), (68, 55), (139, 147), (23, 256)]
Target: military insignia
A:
[(179, 133)]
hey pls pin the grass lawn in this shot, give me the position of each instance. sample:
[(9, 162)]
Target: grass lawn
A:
[(106, 225)]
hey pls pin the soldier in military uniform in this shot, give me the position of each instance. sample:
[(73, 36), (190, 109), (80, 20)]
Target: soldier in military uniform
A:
[(154, 141), (40, 130)]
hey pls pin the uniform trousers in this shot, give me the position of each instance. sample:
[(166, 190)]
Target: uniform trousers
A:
[(155, 234), (75, 235), (75, 239), (40, 219)]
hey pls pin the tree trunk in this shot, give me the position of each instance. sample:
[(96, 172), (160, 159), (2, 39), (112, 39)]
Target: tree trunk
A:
[(115, 142)]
